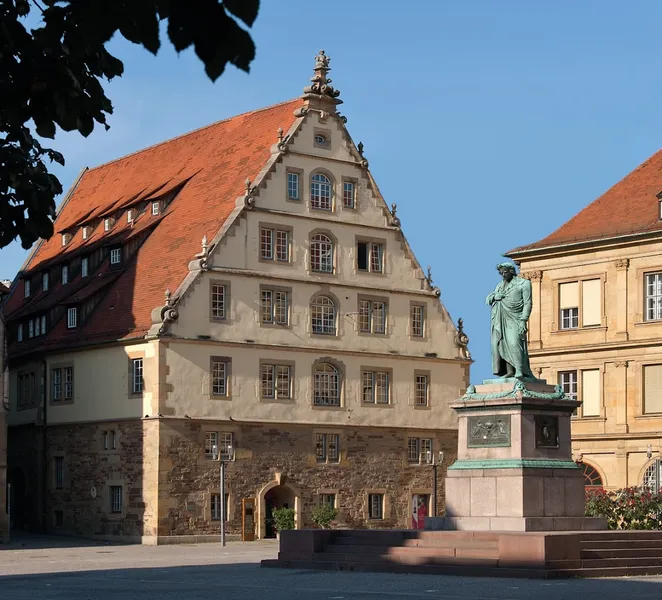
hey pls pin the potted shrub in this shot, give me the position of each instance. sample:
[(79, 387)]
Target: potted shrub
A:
[(323, 515), (283, 519)]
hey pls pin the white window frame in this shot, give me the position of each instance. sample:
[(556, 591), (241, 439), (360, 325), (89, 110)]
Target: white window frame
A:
[(419, 450), (322, 250), (115, 256), (57, 384), (374, 257), (421, 390), (106, 224), (348, 194), (323, 315), (375, 506), (327, 448), (275, 381), (156, 208), (570, 318), (368, 317), (211, 442), (418, 320), (653, 301), (376, 387), (321, 192), (219, 294), (293, 186), (275, 307), (72, 317), (219, 377), (327, 383), (137, 375)]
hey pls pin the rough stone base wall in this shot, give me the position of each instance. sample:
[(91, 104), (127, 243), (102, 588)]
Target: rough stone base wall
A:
[(24, 460), (4, 522), (372, 459)]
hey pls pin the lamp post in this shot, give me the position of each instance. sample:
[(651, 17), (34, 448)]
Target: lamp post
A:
[(435, 466), (215, 454)]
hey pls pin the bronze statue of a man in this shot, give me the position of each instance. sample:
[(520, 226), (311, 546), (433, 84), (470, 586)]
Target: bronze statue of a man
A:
[(511, 307)]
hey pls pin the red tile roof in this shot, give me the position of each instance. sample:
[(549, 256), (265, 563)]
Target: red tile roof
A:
[(629, 207), (211, 163)]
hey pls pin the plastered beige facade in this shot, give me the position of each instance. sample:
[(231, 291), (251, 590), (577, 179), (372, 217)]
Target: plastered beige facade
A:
[(620, 437)]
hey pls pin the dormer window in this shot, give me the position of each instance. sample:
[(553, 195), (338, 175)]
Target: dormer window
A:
[(115, 256), (72, 317), (65, 238), (87, 230), (65, 274), (27, 286), (44, 281), (107, 224), (19, 332), (156, 208), (84, 266), (129, 215)]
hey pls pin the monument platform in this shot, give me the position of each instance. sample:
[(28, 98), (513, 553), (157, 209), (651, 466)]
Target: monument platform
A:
[(487, 554)]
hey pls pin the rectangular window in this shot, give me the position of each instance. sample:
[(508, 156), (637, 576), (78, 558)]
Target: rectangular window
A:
[(419, 451), (65, 274), (328, 500), (569, 305), (19, 332), (31, 328), (85, 232), (137, 376), (275, 307), (266, 244), (59, 472), (652, 389), (591, 303), (110, 440), (129, 216), (26, 286), (218, 294), (216, 507), (37, 327), (568, 381), (57, 384), (116, 498), (417, 320), (44, 282), (43, 324), (327, 447), (219, 377), (211, 442), (375, 387), (591, 393), (348, 194), (106, 224), (369, 257), (375, 506), (115, 256), (282, 245), (293, 186), (275, 382), (72, 317), (84, 266), (569, 318), (68, 373), (654, 296), (155, 208), (421, 390), (226, 445), (372, 316)]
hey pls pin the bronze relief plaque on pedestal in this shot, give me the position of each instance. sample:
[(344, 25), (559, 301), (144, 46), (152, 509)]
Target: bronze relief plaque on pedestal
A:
[(488, 431), (547, 431)]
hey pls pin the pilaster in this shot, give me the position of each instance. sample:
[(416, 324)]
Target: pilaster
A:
[(535, 321), (617, 395), (621, 294)]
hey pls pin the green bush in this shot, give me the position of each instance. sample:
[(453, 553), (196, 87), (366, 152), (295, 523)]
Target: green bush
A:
[(629, 508), (283, 518), (323, 515)]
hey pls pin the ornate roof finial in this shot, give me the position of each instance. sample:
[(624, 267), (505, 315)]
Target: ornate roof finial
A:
[(429, 275), (280, 135), (320, 94), (168, 294), (360, 148), (462, 340), (394, 221)]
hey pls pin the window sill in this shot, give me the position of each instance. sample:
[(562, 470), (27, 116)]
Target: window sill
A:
[(325, 407), (277, 400), (277, 326), (275, 261), (366, 272), (649, 416), (322, 273), (582, 419), (327, 464), (370, 334), (651, 322), (377, 405), (215, 397), (428, 407), (580, 329)]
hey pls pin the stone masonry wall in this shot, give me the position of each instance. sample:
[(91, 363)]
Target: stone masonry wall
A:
[(372, 459)]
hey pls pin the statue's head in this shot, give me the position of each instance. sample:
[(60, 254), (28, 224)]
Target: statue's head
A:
[(507, 270)]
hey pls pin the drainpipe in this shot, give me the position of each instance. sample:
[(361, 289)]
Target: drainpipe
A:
[(44, 471)]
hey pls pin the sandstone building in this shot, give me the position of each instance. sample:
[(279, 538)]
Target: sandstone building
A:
[(243, 286), (596, 326)]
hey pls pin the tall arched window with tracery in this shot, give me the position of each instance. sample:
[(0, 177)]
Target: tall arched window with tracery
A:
[(323, 315), (326, 385), (591, 476), (321, 253), (321, 196)]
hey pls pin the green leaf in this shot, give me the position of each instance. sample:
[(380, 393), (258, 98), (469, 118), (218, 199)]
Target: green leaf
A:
[(246, 10), (45, 128)]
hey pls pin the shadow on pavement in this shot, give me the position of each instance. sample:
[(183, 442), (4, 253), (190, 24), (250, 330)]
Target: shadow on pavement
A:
[(34, 541)]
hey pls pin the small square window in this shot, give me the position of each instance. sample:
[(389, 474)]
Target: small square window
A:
[(72, 317), (370, 257), (420, 451), (328, 500), (569, 318)]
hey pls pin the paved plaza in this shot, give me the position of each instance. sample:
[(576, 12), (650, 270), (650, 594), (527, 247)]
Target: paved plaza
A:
[(40, 568)]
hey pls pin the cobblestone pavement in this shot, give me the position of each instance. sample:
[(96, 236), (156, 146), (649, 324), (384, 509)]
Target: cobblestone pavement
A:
[(40, 568)]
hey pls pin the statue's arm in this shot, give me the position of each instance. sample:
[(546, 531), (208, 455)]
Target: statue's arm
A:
[(490, 299), (527, 300)]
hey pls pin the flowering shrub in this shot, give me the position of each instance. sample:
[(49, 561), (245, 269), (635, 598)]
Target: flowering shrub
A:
[(629, 508)]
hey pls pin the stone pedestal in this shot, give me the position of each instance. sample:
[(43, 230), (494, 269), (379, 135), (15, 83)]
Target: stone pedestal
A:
[(514, 470)]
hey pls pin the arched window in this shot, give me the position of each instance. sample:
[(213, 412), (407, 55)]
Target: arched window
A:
[(320, 192), (321, 253), (323, 315), (653, 477), (326, 385), (591, 476)]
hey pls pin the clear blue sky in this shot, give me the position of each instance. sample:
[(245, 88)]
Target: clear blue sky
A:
[(490, 123)]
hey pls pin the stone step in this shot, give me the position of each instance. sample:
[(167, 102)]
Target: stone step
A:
[(621, 535), (445, 555), (621, 552), (356, 549), (607, 563), (440, 542), (604, 572), (615, 544)]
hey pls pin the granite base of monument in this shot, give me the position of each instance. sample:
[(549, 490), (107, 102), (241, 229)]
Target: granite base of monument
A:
[(514, 470)]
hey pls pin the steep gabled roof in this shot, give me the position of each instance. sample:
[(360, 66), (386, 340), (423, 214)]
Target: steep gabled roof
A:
[(207, 170), (629, 207)]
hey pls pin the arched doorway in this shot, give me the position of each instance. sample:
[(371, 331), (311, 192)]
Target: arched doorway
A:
[(277, 495)]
